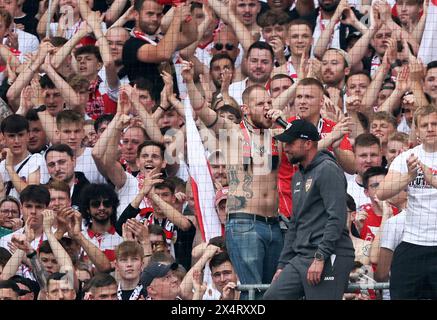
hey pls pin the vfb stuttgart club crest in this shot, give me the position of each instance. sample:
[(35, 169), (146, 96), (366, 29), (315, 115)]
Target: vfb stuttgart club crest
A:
[(308, 184)]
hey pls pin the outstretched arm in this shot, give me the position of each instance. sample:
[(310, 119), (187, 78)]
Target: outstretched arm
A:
[(105, 151)]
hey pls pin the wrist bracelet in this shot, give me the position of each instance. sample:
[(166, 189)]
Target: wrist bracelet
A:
[(31, 255)]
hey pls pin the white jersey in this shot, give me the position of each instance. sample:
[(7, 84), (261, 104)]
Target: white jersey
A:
[(35, 162), (27, 42), (127, 193), (85, 163), (69, 32), (356, 191), (393, 231), (236, 90), (421, 211)]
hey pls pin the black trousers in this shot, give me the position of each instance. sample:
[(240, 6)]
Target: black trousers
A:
[(413, 272), (292, 283)]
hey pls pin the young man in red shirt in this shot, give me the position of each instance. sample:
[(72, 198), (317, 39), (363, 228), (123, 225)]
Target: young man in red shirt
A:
[(308, 103), (369, 217)]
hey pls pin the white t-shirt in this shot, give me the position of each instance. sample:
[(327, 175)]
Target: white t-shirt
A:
[(27, 42), (34, 244), (356, 191), (104, 87), (421, 211), (392, 231), (236, 90), (69, 32), (403, 126), (35, 162), (127, 193), (85, 163)]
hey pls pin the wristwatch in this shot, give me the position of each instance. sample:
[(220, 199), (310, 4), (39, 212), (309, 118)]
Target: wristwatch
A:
[(319, 256)]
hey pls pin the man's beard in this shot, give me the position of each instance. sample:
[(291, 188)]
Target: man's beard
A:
[(330, 7), (295, 160), (101, 221), (146, 28), (259, 124), (260, 81)]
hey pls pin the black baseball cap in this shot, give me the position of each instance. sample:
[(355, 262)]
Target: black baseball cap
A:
[(156, 270), (299, 129)]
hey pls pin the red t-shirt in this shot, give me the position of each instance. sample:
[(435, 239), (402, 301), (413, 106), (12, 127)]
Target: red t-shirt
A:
[(372, 223), (287, 170)]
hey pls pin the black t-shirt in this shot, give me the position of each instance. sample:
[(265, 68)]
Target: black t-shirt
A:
[(80, 182), (184, 246), (135, 68), (126, 294), (30, 23)]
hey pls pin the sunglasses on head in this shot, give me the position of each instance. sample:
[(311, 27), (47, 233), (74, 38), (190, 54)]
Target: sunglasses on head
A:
[(219, 46), (96, 203)]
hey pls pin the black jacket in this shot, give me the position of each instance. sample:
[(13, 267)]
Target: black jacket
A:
[(318, 222)]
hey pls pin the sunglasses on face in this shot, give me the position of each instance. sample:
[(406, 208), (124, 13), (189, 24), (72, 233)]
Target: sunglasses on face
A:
[(96, 203), (219, 46)]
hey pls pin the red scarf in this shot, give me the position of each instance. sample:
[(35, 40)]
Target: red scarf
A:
[(141, 35), (95, 106)]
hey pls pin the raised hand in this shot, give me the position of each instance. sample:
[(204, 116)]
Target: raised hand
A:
[(428, 175), (360, 218), (353, 103), (20, 242), (7, 154), (417, 69), (229, 291), (278, 48), (375, 18), (187, 71), (150, 179), (26, 98), (48, 219), (206, 86), (28, 230), (124, 105), (413, 166), (341, 8), (198, 285), (139, 230), (180, 197), (348, 16), (403, 83), (168, 83), (127, 234), (12, 39)]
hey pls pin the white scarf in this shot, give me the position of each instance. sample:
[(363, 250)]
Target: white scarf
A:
[(135, 294)]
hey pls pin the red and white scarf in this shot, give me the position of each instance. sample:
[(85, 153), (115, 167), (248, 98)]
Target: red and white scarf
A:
[(95, 106), (249, 145), (141, 35)]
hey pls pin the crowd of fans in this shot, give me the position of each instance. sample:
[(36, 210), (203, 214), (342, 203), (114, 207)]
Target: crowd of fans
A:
[(97, 200)]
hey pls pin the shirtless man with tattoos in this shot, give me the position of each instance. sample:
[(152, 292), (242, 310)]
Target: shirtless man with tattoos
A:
[(253, 235)]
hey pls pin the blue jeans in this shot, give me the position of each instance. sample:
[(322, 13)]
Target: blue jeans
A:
[(254, 248)]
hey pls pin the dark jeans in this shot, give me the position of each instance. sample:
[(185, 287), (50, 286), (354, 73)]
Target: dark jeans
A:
[(413, 272)]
